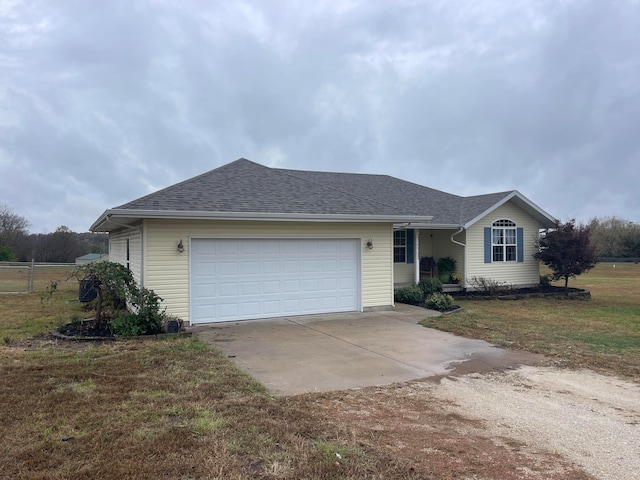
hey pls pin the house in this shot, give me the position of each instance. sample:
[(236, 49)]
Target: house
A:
[(248, 241), (91, 258)]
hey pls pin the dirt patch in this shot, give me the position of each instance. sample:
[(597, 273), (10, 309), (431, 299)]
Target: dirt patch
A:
[(412, 424), (532, 422), (591, 419)]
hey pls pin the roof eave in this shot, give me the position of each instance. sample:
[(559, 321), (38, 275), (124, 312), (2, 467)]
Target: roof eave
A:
[(126, 216)]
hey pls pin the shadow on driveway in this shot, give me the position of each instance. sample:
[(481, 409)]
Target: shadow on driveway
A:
[(315, 353)]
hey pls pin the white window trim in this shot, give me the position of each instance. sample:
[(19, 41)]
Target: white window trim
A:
[(503, 228), (403, 247)]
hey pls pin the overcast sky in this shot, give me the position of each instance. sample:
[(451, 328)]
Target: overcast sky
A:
[(102, 102)]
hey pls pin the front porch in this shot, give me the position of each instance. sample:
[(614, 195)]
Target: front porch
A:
[(417, 251)]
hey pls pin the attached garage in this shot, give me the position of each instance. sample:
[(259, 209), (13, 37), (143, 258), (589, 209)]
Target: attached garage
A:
[(241, 278), (245, 241)]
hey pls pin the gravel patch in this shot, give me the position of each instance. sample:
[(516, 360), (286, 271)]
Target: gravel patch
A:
[(590, 419)]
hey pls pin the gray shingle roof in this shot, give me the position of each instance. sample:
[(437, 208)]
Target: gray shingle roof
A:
[(247, 187)]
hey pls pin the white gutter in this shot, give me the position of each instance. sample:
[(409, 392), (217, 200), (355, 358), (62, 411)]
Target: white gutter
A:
[(108, 216)]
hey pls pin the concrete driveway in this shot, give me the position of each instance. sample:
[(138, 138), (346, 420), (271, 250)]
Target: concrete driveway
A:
[(314, 353)]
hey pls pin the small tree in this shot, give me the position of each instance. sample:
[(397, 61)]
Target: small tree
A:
[(112, 282), (567, 250)]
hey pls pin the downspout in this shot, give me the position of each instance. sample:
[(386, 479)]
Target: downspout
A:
[(416, 254), (464, 253), (141, 230)]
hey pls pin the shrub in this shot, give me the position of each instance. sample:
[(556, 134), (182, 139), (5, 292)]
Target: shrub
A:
[(147, 306), (439, 301), (412, 295), (429, 286), (117, 289), (127, 324), (545, 281), (487, 285)]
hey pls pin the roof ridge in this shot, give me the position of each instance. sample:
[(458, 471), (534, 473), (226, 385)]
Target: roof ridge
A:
[(191, 179), (331, 187)]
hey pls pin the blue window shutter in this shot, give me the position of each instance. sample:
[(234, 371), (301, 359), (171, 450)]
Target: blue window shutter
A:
[(410, 249), (487, 245), (520, 243)]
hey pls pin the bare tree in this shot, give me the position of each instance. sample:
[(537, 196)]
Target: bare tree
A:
[(12, 228)]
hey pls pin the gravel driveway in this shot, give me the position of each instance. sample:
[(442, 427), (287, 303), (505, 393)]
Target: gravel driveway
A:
[(590, 419)]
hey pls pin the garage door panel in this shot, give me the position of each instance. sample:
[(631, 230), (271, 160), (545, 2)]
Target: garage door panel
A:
[(249, 309), (310, 284), (269, 267), (234, 279), (270, 287), (228, 290), (227, 310), (250, 288)]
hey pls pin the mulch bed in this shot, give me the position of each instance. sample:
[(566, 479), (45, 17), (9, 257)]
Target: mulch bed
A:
[(522, 293), (86, 329)]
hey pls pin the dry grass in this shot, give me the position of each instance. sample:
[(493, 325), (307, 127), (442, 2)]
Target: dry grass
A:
[(176, 409), (23, 315), (602, 334), (161, 409)]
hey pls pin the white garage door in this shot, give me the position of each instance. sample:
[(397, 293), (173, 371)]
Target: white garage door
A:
[(237, 279)]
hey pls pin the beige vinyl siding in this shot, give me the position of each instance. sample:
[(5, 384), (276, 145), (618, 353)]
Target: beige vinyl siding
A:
[(167, 270), (404, 273), (512, 273), (118, 250)]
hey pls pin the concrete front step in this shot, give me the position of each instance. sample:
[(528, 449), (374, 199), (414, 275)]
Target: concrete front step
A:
[(451, 287)]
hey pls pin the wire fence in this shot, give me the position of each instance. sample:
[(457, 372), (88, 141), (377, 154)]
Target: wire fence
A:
[(27, 277), (619, 260)]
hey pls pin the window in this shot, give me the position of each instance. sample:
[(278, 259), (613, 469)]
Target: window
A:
[(400, 246), (504, 244)]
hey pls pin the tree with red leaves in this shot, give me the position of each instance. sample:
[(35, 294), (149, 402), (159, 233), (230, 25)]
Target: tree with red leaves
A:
[(567, 250)]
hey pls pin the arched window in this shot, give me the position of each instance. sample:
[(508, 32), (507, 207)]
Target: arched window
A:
[(504, 245)]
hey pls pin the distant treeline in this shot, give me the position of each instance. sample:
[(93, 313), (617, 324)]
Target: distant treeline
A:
[(615, 238), (61, 246)]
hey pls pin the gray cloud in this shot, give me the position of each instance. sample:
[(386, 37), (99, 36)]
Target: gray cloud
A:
[(103, 102)]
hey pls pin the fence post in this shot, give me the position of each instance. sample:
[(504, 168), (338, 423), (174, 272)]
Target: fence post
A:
[(32, 271)]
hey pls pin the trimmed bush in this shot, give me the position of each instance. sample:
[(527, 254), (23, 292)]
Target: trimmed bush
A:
[(429, 286), (412, 295), (439, 301)]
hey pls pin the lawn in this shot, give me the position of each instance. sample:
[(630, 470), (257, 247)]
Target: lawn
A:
[(176, 408), (602, 334)]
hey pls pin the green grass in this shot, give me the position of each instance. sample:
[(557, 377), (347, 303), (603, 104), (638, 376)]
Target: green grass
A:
[(602, 333)]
